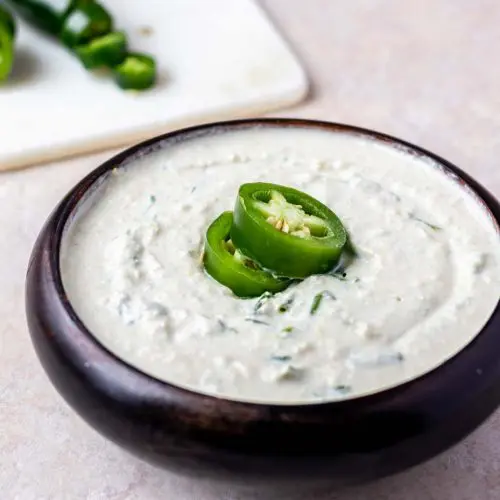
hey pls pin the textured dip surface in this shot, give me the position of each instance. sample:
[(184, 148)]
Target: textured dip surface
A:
[(426, 279)]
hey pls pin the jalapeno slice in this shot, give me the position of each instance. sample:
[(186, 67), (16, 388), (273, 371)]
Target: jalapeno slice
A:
[(107, 50), (46, 15), (7, 21), (136, 72), (6, 52), (230, 267), (285, 231), (88, 20), (7, 35)]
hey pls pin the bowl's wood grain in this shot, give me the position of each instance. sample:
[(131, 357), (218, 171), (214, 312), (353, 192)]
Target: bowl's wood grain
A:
[(342, 442)]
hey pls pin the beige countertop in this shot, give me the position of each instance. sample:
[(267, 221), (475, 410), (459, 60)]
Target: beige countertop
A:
[(420, 70)]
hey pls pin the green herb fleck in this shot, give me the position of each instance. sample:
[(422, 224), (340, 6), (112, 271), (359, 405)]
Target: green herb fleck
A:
[(374, 360), (288, 329), (224, 327), (256, 321), (318, 298), (281, 358), (422, 221), (261, 301), (343, 389), (283, 308)]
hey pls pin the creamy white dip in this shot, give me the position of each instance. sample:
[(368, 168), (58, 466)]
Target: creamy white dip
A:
[(426, 279)]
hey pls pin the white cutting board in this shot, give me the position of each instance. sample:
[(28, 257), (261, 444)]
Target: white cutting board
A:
[(217, 59)]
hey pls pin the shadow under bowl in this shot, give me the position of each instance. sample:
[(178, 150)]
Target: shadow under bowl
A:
[(341, 443)]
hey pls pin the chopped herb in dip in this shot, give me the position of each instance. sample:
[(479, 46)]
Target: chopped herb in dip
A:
[(281, 358), (318, 299), (285, 306), (434, 227)]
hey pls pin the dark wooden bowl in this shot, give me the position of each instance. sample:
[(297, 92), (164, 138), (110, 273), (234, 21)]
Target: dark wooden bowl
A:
[(342, 442)]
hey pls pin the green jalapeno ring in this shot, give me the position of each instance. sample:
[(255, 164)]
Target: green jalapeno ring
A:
[(6, 52), (229, 267), (46, 15), (84, 22), (7, 21), (7, 36), (312, 248), (107, 50), (136, 72)]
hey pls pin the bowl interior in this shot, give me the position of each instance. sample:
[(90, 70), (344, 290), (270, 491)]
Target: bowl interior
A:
[(82, 198)]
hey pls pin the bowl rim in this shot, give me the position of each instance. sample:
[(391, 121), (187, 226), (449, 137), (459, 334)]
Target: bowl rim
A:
[(409, 392)]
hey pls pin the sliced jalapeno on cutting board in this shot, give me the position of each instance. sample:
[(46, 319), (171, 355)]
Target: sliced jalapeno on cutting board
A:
[(107, 50), (7, 35), (7, 21), (46, 15), (286, 231), (86, 28), (231, 268), (136, 72), (86, 21)]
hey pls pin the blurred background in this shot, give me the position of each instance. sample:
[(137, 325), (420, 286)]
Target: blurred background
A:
[(422, 70)]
